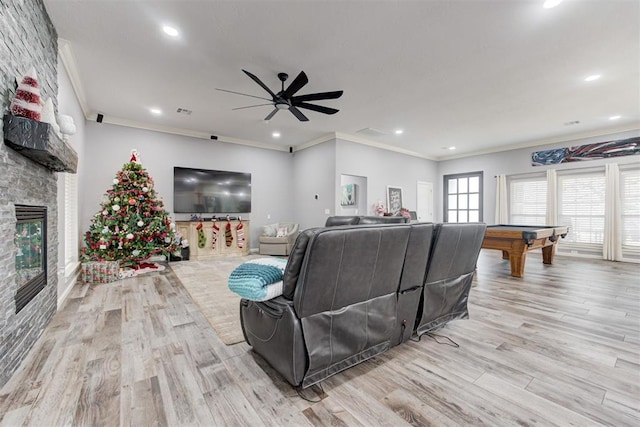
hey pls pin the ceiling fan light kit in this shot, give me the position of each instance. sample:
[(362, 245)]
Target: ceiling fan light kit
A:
[(285, 99)]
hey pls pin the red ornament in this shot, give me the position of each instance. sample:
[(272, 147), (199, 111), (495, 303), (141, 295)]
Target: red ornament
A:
[(132, 201)]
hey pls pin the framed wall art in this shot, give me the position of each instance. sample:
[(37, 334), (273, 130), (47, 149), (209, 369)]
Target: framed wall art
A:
[(348, 195), (394, 200)]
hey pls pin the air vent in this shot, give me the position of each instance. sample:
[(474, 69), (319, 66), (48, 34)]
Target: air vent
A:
[(571, 123), (372, 132), (184, 111)]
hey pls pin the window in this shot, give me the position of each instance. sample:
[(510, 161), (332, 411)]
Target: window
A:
[(463, 197), (630, 212), (581, 206), (528, 200), (70, 220)]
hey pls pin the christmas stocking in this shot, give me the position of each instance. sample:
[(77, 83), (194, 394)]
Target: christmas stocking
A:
[(214, 235), (240, 235), (202, 239), (228, 237)]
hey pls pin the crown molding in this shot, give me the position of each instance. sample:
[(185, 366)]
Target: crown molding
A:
[(324, 138), (546, 141), (185, 132), (68, 58), (382, 146), (358, 140)]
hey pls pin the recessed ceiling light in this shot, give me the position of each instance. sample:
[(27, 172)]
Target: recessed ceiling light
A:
[(451, 148), (276, 134), (399, 131), (614, 117), (170, 31), (155, 111), (551, 3), (592, 78)]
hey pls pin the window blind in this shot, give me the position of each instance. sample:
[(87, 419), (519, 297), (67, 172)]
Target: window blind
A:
[(528, 200), (630, 212), (70, 219), (581, 206)]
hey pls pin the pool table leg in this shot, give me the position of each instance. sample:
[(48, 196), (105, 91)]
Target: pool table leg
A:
[(505, 254), (547, 254), (517, 261)]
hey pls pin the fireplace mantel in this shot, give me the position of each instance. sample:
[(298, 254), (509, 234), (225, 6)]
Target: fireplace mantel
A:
[(37, 141)]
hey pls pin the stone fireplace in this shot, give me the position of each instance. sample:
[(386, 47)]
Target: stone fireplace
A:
[(26, 306)]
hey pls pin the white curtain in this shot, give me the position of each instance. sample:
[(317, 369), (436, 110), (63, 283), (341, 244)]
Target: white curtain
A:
[(552, 197), (502, 208), (612, 246)]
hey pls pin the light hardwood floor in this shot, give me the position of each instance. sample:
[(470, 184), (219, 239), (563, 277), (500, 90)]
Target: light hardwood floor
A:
[(559, 347)]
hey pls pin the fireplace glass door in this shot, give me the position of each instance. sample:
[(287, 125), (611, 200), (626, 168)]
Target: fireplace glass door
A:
[(30, 253)]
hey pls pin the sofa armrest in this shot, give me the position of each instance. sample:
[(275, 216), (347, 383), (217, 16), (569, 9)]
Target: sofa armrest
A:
[(275, 333)]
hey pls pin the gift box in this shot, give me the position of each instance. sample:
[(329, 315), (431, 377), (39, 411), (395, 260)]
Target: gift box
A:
[(100, 271)]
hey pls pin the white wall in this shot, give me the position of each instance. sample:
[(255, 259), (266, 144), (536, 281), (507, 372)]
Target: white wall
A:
[(517, 162), (109, 147), (314, 173), (383, 168)]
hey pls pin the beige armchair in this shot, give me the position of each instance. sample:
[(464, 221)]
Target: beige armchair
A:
[(278, 239)]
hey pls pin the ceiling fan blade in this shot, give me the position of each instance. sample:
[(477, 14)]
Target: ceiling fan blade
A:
[(271, 114), (257, 80), (317, 96), (251, 106), (244, 94), (318, 108), (295, 85), (298, 114)]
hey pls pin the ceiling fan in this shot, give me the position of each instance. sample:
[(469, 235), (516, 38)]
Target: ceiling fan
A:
[(285, 99)]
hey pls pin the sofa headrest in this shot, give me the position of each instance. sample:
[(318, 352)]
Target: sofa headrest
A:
[(334, 221), (345, 265), (455, 250), (383, 220)]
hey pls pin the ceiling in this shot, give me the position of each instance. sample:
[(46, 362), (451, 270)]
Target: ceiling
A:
[(479, 75)]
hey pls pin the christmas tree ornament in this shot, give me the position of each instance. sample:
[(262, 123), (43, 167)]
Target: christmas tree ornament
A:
[(115, 208), (140, 223), (228, 237), (202, 239), (26, 102), (240, 234), (116, 181), (214, 234)]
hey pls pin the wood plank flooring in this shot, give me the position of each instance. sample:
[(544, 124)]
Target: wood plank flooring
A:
[(559, 347)]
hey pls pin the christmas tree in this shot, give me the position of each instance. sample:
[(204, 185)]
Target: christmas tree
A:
[(132, 224)]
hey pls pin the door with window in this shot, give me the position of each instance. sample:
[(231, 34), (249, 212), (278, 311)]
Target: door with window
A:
[(463, 197)]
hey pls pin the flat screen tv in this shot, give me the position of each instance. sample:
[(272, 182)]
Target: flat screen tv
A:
[(211, 191)]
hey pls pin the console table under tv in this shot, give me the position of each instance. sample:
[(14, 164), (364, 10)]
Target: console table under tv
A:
[(189, 230)]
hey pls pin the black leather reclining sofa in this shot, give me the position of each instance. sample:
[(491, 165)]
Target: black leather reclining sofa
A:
[(354, 291)]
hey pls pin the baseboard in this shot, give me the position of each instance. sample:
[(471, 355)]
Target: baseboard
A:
[(70, 281)]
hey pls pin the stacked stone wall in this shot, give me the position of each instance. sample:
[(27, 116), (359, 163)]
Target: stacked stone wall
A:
[(27, 39)]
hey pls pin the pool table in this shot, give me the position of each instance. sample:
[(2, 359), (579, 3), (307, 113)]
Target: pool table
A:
[(516, 240)]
